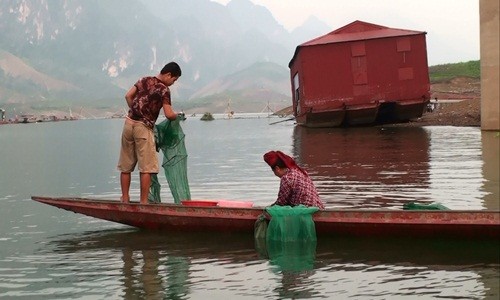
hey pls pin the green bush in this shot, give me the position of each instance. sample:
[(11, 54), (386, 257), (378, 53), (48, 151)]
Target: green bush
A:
[(440, 73)]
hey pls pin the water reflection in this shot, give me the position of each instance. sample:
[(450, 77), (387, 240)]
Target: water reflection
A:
[(491, 169), (155, 266), (175, 266), (294, 262), (365, 167), (147, 281)]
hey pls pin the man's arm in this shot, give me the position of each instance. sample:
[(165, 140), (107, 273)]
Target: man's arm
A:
[(129, 96), (169, 112)]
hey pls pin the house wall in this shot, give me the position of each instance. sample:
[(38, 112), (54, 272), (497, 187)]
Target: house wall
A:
[(360, 72)]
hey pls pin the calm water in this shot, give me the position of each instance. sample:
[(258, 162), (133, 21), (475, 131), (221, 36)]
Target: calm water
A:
[(47, 253)]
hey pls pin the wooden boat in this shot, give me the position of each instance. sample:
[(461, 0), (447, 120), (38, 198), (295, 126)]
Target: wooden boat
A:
[(470, 224)]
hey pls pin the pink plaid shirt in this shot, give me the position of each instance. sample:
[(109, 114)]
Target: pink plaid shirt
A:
[(297, 188)]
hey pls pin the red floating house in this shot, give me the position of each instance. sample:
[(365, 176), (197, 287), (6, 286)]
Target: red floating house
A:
[(360, 74)]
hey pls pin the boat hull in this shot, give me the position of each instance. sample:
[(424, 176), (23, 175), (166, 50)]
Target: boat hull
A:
[(173, 217), (362, 114)]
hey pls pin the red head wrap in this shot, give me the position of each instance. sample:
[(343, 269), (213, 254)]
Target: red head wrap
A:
[(272, 158)]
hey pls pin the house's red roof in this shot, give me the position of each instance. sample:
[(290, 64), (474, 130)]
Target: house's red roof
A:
[(356, 31)]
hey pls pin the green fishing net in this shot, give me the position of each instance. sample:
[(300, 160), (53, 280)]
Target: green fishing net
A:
[(297, 255), (291, 223), (418, 206), (170, 140)]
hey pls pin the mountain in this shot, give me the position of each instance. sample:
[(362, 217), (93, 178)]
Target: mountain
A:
[(247, 90), (59, 54), (312, 28)]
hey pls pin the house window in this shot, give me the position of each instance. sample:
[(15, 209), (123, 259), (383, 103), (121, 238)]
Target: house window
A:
[(404, 47), (358, 69), (405, 73), (358, 63), (358, 49)]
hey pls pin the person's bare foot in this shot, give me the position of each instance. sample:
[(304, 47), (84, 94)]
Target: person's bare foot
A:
[(124, 200)]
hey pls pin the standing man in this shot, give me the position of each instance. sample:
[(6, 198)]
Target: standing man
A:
[(145, 100)]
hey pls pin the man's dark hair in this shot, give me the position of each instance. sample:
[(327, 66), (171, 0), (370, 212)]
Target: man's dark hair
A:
[(172, 68)]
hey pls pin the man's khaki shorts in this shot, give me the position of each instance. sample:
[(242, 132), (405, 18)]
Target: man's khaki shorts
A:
[(138, 146)]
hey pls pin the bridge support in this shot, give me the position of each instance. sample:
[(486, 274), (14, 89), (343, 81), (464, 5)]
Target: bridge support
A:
[(489, 33)]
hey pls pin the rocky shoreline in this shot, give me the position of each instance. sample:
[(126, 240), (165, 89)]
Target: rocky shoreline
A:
[(458, 104), (465, 112)]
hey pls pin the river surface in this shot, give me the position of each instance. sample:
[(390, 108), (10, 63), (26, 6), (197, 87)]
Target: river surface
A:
[(48, 253)]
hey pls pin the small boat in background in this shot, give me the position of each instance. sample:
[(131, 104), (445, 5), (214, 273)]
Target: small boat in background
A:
[(207, 117), (468, 224)]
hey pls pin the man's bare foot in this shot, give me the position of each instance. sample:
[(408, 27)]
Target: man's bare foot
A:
[(124, 200)]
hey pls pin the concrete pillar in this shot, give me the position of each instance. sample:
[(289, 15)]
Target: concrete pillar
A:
[(490, 80)]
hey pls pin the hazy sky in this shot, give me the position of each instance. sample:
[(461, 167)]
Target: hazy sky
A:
[(452, 26)]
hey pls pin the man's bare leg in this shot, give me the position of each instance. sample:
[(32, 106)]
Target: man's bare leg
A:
[(125, 179), (145, 184)]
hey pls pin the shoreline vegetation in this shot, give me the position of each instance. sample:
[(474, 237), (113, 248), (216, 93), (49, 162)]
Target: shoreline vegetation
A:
[(446, 112)]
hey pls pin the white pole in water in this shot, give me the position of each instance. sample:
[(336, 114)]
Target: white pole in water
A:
[(268, 108)]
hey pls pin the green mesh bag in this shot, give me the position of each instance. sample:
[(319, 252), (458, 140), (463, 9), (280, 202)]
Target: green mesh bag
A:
[(170, 140), (291, 223), (417, 206)]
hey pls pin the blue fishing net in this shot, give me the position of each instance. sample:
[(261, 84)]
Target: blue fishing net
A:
[(170, 140)]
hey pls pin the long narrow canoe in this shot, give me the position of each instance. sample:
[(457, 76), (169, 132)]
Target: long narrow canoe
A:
[(470, 224)]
